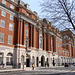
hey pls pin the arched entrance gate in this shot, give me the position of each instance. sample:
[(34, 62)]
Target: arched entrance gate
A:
[(42, 61)]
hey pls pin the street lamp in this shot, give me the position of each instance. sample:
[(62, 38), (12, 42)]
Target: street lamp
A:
[(58, 57), (53, 59)]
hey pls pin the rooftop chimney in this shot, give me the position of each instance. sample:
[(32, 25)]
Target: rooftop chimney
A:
[(27, 6), (44, 20), (35, 12), (19, 1)]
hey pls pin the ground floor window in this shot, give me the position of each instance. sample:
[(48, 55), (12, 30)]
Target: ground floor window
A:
[(1, 58)]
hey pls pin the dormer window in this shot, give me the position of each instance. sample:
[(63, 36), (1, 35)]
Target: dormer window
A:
[(27, 6), (12, 7), (4, 2)]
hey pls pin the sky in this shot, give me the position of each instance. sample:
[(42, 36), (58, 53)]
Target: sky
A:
[(34, 5)]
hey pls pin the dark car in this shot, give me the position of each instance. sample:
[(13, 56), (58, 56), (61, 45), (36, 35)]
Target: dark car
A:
[(66, 65), (74, 64)]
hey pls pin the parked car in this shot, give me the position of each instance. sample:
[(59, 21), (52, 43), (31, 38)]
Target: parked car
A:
[(66, 65), (74, 64)]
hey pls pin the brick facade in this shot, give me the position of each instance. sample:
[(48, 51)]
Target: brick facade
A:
[(33, 39)]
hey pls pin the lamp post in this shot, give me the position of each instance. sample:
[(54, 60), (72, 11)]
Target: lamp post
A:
[(58, 57)]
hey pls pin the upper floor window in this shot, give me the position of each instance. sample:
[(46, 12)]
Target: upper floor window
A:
[(11, 27), (26, 43), (11, 17), (40, 43), (12, 7), (9, 39), (3, 13), (51, 42), (26, 32), (4, 2), (2, 24), (27, 24), (27, 14), (1, 37)]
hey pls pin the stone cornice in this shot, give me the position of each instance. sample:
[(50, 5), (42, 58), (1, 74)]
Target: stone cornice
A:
[(27, 10), (20, 13)]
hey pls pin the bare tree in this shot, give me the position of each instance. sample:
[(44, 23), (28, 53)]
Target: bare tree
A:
[(60, 12)]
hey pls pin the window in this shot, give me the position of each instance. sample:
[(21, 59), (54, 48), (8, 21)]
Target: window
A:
[(9, 39), (3, 13), (51, 42), (40, 43), (1, 37), (4, 2), (11, 27), (12, 0), (27, 24), (2, 24), (11, 17), (27, 14), (26, 32), (12, 7), (26, 43)]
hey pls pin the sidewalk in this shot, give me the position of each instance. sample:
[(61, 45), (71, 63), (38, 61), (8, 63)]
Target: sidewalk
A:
[(11, 70), (26, 69)]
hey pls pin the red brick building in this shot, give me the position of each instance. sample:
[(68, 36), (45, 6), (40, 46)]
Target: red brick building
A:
[(27, 39)]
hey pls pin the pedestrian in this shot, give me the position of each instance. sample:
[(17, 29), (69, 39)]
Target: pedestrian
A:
[(3, 65), (33, 66), (53, 63), (48, 64), (45, 64)]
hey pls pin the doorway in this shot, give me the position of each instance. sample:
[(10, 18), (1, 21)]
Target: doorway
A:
[(27, 60)]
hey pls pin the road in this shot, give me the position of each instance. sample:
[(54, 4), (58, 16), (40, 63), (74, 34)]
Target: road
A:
[(45, 71)]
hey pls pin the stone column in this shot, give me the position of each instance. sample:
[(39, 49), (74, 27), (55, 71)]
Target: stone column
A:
[(35, 62), (20, 25), (30, 35), (48, 42), (44, 41), (4, 60), (24, 24), (51, 44), (39, 61)]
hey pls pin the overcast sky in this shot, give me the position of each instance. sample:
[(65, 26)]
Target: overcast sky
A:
[(34, 5)]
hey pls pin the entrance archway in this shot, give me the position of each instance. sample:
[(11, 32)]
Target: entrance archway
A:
[(9, 59), (42, 61), (37, 62), (27, 60)]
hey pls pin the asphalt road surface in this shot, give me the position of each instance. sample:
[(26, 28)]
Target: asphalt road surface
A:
[(45, 71)]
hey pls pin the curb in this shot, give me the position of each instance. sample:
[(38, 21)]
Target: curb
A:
[(5, 71)]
